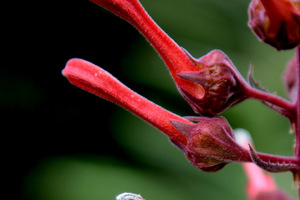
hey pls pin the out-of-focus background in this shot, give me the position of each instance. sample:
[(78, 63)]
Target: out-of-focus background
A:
[(61, 143)]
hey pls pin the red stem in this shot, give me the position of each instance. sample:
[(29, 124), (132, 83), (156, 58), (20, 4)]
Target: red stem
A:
[(297, 123), (277, 103), (297, 103)]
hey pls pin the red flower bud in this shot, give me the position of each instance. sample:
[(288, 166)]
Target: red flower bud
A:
[(222, 83), (276, 22), (211, 144), (290, 78), (95, 80), (208, 144)]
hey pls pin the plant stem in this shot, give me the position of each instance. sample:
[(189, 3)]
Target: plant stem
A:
[(297, 123), (297, 103), (275, 102)]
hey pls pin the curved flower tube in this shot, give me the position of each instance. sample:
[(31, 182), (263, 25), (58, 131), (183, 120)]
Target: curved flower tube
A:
[(173, 55), (93, 79)]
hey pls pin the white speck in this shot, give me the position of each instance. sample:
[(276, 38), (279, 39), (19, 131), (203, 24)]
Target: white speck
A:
[(129, 196), (243, 137), (96, 74)]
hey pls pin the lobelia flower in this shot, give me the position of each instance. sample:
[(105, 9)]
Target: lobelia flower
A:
[(208, 144), (209, 84), (261, 186), (276, 22)]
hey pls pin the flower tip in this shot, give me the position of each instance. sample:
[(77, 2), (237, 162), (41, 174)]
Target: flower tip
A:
[(71, 64)]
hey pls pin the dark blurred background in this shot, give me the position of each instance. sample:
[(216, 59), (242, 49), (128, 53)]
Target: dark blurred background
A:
[(63, 143)]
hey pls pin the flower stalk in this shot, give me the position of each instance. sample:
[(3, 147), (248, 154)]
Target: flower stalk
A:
[(297, 123), (297, 104), (278, 104)]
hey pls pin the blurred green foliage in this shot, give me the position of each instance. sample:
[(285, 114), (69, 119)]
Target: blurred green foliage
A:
[(156, 169)]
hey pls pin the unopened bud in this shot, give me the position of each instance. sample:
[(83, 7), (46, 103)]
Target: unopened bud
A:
[(221, 81), (276, 22), (211, 144)]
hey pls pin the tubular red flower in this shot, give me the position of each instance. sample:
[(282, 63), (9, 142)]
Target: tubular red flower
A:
[(173, 55), (93, 79), (209, 144), (210, 84)]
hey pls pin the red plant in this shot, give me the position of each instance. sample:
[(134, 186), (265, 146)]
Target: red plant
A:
[(210, 84)]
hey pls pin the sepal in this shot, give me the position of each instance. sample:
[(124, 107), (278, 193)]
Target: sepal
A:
[(211, 144), (222, 83)]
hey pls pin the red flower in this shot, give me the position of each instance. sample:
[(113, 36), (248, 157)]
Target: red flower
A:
[(221, 83), (93, 79), (210, 84), (208, 144), (276, 22)]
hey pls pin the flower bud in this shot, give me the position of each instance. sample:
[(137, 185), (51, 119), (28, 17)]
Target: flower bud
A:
[(290, 78), (211, 144), (222, 83), (276, 22)]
